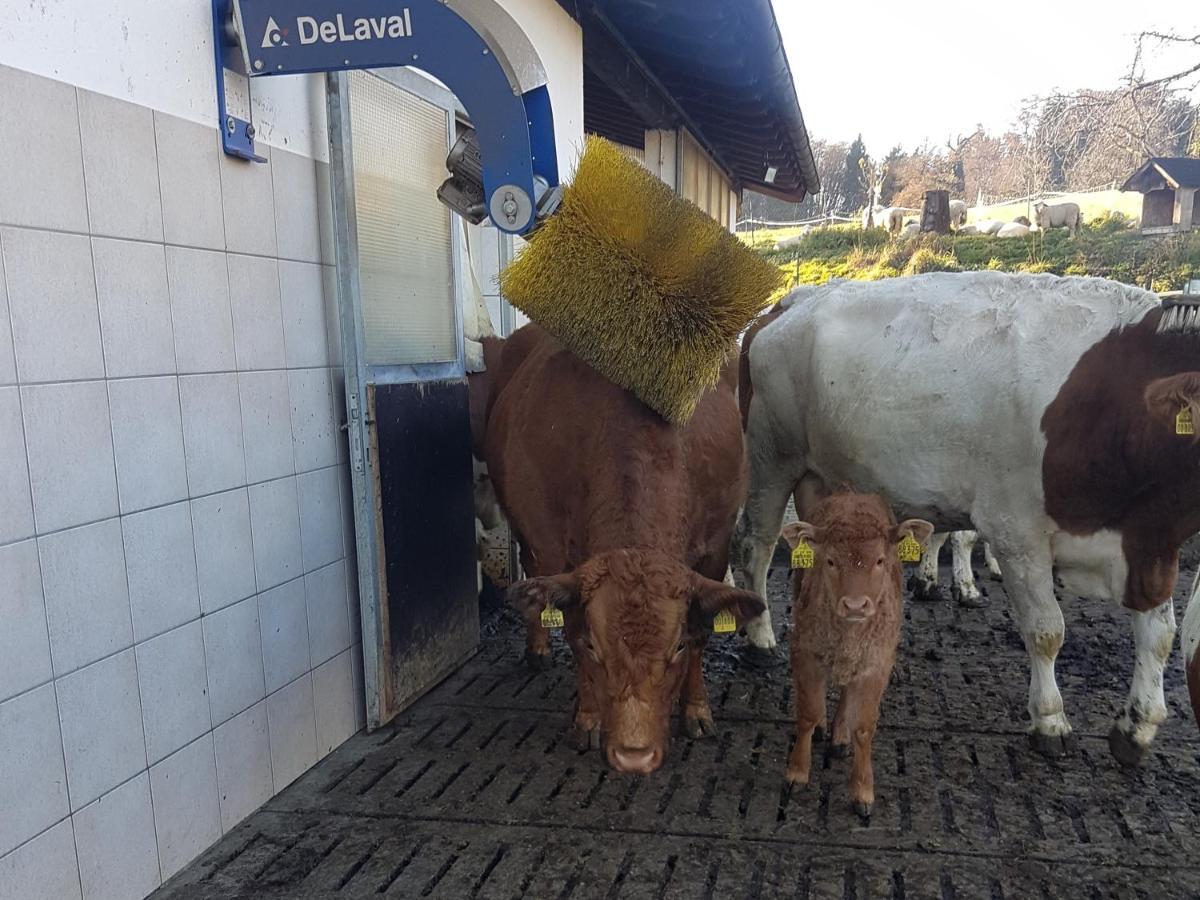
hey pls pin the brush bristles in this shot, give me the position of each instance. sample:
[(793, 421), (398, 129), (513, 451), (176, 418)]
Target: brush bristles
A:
[(1181, 317), (640, 284)]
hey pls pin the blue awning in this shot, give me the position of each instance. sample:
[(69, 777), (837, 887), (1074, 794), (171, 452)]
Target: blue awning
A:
[(723, 67)]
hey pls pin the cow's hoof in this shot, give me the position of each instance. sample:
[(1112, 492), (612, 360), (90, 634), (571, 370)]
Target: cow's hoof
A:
[(539, 662), (584, 738), (839, 751), (968, 601), (697, 725), (796, 777), (1125, 749), (863, 810), (924, 592), (1052, 746), (761, 657)]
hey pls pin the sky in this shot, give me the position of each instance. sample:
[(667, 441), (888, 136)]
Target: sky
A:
[(933, 69)]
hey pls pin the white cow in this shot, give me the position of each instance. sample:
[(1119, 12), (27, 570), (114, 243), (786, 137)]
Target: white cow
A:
[(963, 588), (968, 229), (864, 382), (892, 217), (958, 213), (989, 226), (1012, 230), (912, 229), (1058, 215), (794, 240)]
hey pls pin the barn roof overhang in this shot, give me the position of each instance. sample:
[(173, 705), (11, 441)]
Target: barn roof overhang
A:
[(1164, 172), (716, 67)]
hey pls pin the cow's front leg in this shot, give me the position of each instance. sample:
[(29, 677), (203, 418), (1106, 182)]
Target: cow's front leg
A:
[(924, 583), (808, 687), (1028, 577), (697, 716), (863, 698), (963, 587), (585, 730), (1146, 708), (537, 646)]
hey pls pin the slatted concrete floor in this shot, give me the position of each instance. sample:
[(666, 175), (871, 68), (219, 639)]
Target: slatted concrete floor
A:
[(475, 793)]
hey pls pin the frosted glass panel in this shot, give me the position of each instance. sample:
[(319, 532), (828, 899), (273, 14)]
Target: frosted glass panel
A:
[(405, 255)]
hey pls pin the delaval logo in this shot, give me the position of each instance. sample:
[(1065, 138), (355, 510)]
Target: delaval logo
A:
[(337, 30), (274, 36)]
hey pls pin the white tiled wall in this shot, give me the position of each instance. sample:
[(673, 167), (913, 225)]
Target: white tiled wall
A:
[(179, 635)]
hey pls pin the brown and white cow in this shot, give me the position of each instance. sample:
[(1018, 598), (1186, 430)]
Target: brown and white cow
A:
[(846, 615), (1041, 410), (625, 521)]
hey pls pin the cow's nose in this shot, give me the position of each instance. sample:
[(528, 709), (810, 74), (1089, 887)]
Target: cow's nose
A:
[(856, 607), (641, 760)]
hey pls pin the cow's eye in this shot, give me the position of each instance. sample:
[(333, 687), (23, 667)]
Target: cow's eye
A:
[(591, 650), (831, 563), (879, 562), (681, 649)]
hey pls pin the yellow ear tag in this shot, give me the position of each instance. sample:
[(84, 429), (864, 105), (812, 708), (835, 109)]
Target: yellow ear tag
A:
[(910, 549), (802, 556), (1184, 422), (724, 622), (552, 618)]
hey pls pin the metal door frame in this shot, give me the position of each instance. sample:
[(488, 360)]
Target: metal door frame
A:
[(360, 376)]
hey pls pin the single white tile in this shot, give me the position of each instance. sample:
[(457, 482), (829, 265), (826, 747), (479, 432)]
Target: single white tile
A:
[(233, 650), (187, 813), (249, 206), (203, 323), (212, 432), (312, 419), (283, 612), (174, 685), (328, 624), (243, 765), (333, 322), (135, 308), (8, 362), (15, 499), (160, 561), (41, 175), (294, 180), (101, 718), (275, 524), (266, 425), (224, 553), (320, 517), (24, 643), (68, 438), (52, 302), (190, 179), (333, 697), (87, 595), (302, 292), (33, 788), (120, 166), (118, 851), (148, 442), (360, 694), (293, 731), (43, 869), (257, 316)]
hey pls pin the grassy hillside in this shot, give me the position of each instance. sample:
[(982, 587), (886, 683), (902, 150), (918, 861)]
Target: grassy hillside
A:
[(1107, 248), (1092, 205)]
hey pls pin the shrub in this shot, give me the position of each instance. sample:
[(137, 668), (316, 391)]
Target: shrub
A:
[(927, 259), (995, 265)]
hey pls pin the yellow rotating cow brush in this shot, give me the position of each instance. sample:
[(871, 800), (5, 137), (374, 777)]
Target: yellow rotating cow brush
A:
[(640, 284)]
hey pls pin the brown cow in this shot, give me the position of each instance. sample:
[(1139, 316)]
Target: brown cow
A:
[(846, 627), (625, 520)]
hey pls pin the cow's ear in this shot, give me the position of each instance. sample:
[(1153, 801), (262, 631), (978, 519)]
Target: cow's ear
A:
[(917, 529), (711, 597), (1167, 397), (795, 532), (531, 596)]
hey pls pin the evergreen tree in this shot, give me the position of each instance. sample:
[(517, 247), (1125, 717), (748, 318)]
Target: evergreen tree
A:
[(854, 191)]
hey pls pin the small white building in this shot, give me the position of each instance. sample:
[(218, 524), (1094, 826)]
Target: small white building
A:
[(186, 624)]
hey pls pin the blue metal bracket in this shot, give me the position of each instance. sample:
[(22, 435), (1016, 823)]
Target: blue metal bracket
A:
[(471, 46), (237, 135)]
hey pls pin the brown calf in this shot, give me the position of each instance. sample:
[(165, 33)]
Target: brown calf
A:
[(846, 627), (625, 521)]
